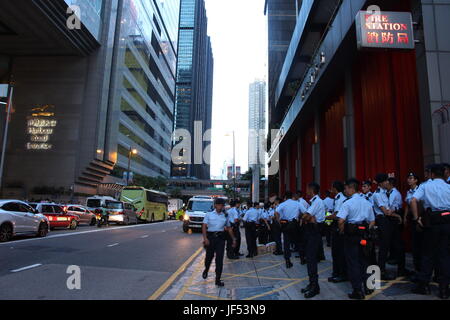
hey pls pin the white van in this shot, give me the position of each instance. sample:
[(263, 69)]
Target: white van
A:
[(196, 211), (98, 202)]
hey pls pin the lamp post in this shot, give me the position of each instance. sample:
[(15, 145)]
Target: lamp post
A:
[(234, 164), (132, 152)]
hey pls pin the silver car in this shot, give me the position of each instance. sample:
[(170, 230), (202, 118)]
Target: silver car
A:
[(18, 218), (86, 216)]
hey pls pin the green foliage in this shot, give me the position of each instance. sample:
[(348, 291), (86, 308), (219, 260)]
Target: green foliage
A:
[(176, 193), (158, 183)]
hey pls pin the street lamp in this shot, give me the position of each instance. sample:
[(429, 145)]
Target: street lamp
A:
[(131, 152), (234, 163)]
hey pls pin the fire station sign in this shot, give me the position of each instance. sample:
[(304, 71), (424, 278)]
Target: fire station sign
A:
[(387, 30)]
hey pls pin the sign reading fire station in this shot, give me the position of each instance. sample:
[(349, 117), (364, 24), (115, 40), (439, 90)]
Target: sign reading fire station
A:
[(389, 30)]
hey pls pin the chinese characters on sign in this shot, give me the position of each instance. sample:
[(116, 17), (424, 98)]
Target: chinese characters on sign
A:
[(40, 126), (389, 30)]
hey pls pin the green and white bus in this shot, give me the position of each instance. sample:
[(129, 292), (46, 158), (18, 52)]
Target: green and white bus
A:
[(151, 205)]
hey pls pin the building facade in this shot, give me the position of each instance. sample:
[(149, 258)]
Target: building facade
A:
[(257, 132), (344, 111), (83, 97), (194, 90)]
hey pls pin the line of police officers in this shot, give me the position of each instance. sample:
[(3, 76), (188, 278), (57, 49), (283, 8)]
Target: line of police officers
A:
[(353, 223)]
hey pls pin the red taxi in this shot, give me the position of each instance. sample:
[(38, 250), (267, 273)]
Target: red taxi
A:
[(57, 215)]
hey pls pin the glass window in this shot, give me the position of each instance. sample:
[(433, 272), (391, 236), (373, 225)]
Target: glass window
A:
[(11, 207), (205, 206)]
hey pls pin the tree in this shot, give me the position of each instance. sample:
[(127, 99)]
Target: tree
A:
[(176, 193)]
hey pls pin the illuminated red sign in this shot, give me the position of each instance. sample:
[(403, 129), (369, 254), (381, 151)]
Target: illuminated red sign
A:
[(391, 30)]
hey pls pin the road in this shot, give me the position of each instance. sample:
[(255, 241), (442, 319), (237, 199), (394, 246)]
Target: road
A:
[(117, 263)]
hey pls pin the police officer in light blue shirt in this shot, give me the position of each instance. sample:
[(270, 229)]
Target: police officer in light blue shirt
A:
[(215, 225), (437, 235), (251, 218), (394, 196), (314, 216), (355, 214), (367, 193), (288, 214), (388, 222), (235, 219), (416, 233)]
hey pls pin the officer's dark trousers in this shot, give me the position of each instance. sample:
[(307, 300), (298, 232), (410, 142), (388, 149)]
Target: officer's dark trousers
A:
[(417, 246), (436, 242), (216, 248), (356, 261), (288, 230), (312, 245), (276, 235), (250, 237), (390, 234), (302, 241), (337, 252), (237, 235), (263, 234)]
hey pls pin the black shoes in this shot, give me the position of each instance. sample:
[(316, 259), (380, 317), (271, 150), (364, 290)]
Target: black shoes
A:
[(368, 291), (337, 279), (356, 295), (308, 287), (313, 291), (205, 274), (233, 257), (220, 283), (289, 264), (422, 289)]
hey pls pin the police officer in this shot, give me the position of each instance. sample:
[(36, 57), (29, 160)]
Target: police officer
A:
[(366, 188), (337, 238), (397, 244), (215, 224), (436, 223), (251, 218), (288, 214), (264, 231), (355, 217), (387, 221), (235, 220), (447, 172), (416, 232), (276, 228), (313, 218), (329, 205)]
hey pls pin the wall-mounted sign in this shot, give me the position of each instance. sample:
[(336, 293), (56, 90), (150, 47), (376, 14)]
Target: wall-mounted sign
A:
[(389, 30), (40, 127)]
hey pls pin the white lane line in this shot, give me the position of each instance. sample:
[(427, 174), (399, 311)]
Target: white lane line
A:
[(86, 232), (113, 245), (146, 236), (26, 268)]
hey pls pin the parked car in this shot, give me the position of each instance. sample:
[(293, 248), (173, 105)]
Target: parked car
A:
[(17, 218), (57, 215), (121, 212), (86, 216)]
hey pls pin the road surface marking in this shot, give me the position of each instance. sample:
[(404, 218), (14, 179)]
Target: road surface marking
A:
[(146, 236), (174, 276), (85, 232), (26, 268), (113, 245)]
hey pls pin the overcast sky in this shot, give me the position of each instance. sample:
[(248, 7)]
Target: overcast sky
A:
[(238, 30)]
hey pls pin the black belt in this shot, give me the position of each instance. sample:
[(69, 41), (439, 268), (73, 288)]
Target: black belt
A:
[(216, 234), (440, 217)]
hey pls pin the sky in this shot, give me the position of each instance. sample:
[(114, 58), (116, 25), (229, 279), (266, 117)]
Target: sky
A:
[(238, 30)]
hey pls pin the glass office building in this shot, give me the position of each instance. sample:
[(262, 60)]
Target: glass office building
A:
[(194, 84)]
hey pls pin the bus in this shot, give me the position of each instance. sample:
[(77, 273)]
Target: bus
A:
[(151, 205)]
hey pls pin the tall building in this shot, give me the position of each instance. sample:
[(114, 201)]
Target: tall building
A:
[(352, 97), (257, 126), (194, 88), (84, 97)]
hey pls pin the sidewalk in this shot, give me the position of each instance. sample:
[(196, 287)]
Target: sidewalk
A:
[(265, 277)]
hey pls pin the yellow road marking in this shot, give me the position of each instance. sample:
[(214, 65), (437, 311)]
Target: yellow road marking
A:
[(174, 276), (387, 286), (206, 295), (261, 277), (188, 283), (283, 287)]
